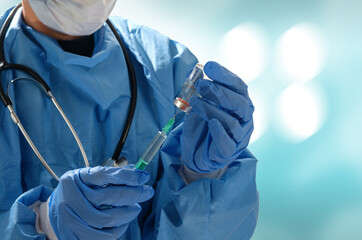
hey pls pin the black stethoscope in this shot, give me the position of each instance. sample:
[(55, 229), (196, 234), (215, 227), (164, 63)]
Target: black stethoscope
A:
[(4, 65)]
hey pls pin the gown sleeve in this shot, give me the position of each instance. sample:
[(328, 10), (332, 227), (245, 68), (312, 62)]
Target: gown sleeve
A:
[(18, 222)]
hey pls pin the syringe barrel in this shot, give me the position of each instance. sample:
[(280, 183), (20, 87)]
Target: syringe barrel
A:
[(153, 147), (188, 90)]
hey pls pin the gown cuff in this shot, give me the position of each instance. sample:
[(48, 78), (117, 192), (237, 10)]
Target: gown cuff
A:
[(42, 223), (190, 176)]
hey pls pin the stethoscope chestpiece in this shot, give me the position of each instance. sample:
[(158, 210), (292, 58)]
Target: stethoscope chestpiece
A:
[(121, 162)]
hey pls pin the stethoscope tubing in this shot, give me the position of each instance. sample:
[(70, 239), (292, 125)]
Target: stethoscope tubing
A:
[(133, 89), (10, 66), (4, 65), (16, 120)]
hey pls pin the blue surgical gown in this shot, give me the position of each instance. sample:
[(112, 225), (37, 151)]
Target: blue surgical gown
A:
[(94, 93)]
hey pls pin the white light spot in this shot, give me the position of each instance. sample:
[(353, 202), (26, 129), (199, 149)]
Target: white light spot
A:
[(300, 111), (301, 52), (243, 51), (260, 115)]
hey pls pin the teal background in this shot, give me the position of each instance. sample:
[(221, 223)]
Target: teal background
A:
[(310, 188)]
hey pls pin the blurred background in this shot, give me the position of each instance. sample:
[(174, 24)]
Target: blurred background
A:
[(302, 62)]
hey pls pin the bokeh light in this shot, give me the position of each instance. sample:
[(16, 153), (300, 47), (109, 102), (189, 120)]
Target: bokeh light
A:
[(301, 52), (300, 111), (244, 51)]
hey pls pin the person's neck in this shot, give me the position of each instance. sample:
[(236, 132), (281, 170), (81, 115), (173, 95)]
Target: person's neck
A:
[(33, 21)]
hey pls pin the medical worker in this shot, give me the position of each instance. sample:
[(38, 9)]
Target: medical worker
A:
[(200, 186)]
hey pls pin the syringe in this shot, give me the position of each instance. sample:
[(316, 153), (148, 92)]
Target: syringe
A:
[(182, 102), (155, 145)]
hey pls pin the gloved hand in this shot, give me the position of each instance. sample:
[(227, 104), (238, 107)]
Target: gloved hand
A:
[(220, 124), (76, 207)]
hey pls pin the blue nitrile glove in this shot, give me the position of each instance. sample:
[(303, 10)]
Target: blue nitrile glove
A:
[(79, 206), (220, 124)]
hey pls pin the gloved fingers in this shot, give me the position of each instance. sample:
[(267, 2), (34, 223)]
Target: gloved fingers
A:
[(200, 160), (207, 112), (110, 217), (208, 157), (194, 126), (225, 98), (223, 76), (118, 195), (103, 176), (248, 129), (222, 146), (83, 229)]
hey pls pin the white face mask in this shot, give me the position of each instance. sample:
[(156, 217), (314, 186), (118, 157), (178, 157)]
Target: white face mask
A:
[(73, 17)]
